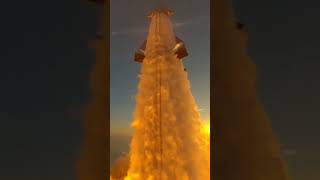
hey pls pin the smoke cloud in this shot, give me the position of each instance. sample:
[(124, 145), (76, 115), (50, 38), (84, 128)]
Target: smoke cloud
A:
[(244, 146), (94, 161)]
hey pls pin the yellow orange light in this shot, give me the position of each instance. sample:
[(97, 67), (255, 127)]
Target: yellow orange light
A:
[(206, 128)]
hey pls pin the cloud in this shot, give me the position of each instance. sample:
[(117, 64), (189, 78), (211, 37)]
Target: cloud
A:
[(120, 167), (188, 21), (136, 30), (247, 124), (92, 163), (201, 109), (183, 23)]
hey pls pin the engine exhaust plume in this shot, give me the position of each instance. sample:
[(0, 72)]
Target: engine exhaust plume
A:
[(168, 142)]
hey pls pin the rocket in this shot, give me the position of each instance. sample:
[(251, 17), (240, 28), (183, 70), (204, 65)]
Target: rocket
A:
[(178, 49)]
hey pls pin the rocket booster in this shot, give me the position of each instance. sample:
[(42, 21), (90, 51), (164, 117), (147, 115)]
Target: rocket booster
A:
[(162, 31)]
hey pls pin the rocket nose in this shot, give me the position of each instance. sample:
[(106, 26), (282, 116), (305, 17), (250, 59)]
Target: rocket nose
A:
[(159, 10)]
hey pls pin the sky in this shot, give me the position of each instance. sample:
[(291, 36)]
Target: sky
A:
[(129, 26), (284, 44)]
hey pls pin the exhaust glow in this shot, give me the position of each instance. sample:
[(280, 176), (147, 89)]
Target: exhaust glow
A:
[(170, 141)]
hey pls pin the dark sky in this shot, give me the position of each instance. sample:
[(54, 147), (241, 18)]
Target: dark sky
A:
[(44, 72), (284, 44)]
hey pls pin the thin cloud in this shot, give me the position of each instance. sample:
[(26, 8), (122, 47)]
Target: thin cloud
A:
[(183, 23), (188, 21), (201, 110), (138, 30), (129, 31)]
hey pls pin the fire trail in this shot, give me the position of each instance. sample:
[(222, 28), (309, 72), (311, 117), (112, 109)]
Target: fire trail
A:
[(168, 142)]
